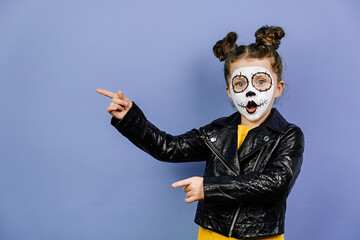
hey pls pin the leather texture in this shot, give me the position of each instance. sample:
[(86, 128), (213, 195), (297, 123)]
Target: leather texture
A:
[(245, 190)]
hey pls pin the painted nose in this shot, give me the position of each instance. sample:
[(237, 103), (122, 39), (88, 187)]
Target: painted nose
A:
[(250, 94)]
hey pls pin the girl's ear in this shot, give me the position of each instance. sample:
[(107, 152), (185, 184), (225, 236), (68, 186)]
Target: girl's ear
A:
[(279, 89), (228, 92)]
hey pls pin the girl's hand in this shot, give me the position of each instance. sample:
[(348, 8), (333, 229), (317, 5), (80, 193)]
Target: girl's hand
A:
[(119, 105), (193, 187)]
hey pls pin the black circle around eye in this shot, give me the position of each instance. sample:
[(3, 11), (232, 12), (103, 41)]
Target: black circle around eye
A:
[(239, 89), (262, 76)]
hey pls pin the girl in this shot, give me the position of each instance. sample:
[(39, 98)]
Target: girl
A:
[(253, 156)]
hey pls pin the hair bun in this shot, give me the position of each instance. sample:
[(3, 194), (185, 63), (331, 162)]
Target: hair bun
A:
[(223, 47), (269, 36)]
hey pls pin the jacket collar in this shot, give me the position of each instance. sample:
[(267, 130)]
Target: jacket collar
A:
[(274, 121)]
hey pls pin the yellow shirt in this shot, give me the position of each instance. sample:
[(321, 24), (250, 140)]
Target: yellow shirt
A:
[(242, 132), (206, 234)]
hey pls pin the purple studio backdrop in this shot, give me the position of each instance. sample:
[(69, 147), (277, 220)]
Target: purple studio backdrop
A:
[(66, 173)]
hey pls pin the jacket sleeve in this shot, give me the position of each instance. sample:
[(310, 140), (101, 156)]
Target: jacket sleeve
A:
[(162, 146), (272, 184)]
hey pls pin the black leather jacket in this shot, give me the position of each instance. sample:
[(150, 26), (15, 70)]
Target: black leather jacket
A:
[(245, 190)]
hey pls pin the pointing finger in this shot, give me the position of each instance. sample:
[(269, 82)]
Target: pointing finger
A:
[(105, 92), (181, 183)]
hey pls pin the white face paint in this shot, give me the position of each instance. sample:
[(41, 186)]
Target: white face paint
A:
[(251, 90)]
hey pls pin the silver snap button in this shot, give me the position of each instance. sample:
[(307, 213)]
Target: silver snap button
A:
[(213, 139), (266, 138)]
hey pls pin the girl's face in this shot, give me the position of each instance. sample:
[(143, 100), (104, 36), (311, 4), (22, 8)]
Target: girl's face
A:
[(253, 87)]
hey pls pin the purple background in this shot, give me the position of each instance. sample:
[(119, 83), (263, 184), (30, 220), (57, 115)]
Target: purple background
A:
[(66, 173)]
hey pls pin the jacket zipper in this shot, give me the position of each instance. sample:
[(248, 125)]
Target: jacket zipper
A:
[(220, 158), (238, 209), (257, 159), (234, 220)]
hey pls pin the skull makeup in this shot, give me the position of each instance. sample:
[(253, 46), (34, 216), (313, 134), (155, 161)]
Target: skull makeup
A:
[(251, 90)]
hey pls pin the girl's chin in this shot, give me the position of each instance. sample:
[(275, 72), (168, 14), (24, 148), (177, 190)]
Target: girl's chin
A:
[(255, 116)]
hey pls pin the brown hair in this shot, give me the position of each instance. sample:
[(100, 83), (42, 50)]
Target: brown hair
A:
[(267, 41)]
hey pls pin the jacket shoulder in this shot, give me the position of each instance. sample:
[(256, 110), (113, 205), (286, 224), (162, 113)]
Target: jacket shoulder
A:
[(295, 129)]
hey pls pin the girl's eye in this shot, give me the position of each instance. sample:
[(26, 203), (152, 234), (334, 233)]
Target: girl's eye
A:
[(239, 83), (261, 82)]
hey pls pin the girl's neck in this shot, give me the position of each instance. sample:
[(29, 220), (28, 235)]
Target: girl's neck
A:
[(248, 123)]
